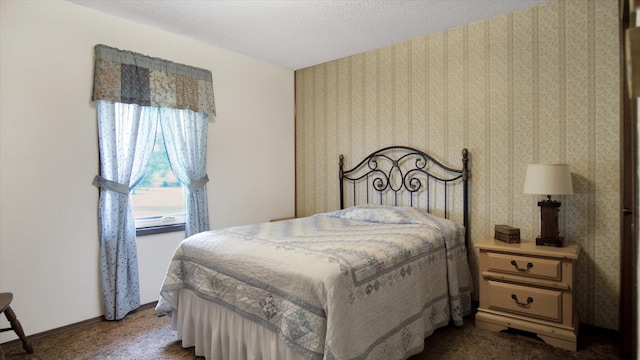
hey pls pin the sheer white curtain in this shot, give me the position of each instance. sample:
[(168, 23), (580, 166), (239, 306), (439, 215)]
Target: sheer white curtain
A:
[(126, 137), (185, 135)]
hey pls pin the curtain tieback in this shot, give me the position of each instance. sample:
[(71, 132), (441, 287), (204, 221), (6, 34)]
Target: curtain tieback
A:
[(198, 183), (101, 182)]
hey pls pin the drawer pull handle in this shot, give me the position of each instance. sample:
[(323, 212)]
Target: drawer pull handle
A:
[(515, 298), (515, 264)]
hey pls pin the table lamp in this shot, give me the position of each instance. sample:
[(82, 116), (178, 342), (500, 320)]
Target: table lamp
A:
[(548, 179)]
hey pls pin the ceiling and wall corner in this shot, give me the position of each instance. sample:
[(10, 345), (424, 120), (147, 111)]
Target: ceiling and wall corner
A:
[(303, 33)]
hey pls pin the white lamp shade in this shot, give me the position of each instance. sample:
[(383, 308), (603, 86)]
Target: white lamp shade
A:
[(548, 179)]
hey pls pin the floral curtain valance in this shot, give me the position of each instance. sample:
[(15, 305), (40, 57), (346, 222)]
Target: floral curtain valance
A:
[(132, 78)]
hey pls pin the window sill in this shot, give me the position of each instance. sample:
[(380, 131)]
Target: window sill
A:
[(153, 230)]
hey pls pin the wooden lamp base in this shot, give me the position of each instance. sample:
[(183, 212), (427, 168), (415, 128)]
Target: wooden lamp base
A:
[(549, 232)]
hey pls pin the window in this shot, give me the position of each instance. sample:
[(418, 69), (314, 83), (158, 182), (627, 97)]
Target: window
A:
[(126, 85), (159, 198)]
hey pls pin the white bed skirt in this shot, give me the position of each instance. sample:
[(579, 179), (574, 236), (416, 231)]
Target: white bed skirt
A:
[(221, 334)]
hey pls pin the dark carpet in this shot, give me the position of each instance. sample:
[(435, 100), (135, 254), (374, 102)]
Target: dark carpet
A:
[(143, 335)]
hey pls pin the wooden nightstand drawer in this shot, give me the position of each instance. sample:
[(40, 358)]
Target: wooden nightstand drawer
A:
[(524, 300), (550, 269)]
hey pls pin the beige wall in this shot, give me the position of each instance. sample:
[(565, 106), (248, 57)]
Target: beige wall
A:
[(49, 154), (539, 85)]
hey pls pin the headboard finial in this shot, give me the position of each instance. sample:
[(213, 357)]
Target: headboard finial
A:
[(465, 162)]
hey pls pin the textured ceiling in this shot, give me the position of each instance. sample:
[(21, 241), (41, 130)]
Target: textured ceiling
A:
[(296, 34)]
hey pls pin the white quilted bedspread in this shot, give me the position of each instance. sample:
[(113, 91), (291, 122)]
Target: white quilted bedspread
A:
[(368, 282)]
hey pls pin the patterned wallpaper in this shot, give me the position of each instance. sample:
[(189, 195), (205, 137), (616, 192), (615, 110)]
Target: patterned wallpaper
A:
[(540, 85)]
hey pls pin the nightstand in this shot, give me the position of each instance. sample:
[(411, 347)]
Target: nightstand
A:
[(530, 288), (282, 219)]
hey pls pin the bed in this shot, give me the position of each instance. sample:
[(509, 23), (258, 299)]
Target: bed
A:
[(368, 281)]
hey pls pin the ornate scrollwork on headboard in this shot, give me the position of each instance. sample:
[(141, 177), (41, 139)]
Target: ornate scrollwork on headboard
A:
[(395, 170)]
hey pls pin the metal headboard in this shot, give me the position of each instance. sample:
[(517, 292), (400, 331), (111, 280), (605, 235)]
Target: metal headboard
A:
[(403, 172)]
